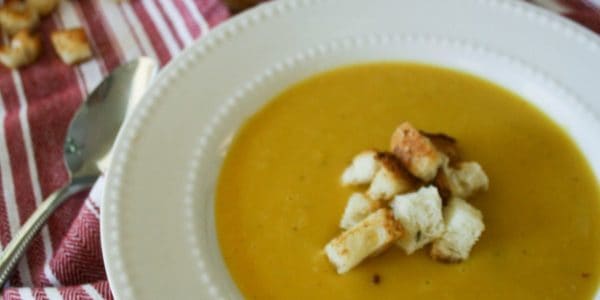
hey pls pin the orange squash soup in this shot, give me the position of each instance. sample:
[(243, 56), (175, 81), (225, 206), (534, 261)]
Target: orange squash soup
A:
[(279, 198)]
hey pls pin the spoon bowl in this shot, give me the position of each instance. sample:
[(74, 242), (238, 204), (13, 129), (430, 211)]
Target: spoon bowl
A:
[(97, 122)]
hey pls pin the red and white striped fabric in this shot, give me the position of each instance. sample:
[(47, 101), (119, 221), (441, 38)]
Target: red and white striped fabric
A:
[(585, 12), (36, 104)]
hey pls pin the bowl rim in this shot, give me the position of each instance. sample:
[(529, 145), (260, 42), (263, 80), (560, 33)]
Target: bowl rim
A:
[(206, 47)]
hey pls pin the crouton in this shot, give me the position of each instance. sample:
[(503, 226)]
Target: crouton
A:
[(23, 49), (43, 7), (468, 178), (462, 181), (16, 16), (464, 225), (362, 169), (367, 238), (445, 144), (442, 184), (390, 180), (420, 214), (359, 207), (416, 152), (71, 45)]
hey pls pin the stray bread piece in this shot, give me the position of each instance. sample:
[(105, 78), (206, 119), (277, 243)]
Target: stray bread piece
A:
[(367, 238), (464, 180), (16, 16), (464, 225), (43, 7), (362, 169), (24, 49), (71, 45), (359, 207), (416, 152), (390, 180), (420, 214)]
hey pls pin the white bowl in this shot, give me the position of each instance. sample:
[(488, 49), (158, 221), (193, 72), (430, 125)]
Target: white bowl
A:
[(158, 229)]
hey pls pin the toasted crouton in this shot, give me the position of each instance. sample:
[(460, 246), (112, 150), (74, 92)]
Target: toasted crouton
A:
[(420, 214), (464, 225), (43, 7), (445, 144), (367, 238), (362, 169), (391, 179), (24, 49), (441, 182), (462, 181), (416, 152), (16, 16), (468, 178), (71, 45), (359, 207)]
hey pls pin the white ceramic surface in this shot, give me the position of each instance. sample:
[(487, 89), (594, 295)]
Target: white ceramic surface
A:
[(158, 232)]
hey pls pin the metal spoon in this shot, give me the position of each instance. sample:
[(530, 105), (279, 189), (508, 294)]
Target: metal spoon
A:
[(90, 137)]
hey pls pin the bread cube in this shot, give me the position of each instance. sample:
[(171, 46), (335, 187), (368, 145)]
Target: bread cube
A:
[(462, 181), (24, 49), (420, 214), (445, 144), (390, 180), (464, 225), (362, 169), (71, 45), (359, 207), (16, 16), (367, 238), (43, 7), (416, 152)]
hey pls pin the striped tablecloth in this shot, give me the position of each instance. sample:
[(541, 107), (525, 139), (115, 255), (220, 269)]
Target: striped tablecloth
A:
[(36, 106), (37, 103)]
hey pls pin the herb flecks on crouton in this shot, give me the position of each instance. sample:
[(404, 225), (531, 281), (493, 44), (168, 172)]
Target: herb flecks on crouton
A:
[(464, 225), (390, 211), (420, 214)]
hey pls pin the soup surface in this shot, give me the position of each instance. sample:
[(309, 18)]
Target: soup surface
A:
[(279, 200)]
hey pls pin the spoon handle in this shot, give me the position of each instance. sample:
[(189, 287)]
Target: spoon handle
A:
[(16, 248)]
